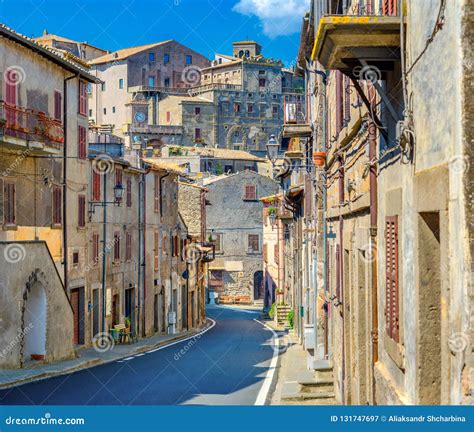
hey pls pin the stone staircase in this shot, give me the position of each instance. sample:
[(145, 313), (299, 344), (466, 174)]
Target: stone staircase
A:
[(281, 314), (315, 387)]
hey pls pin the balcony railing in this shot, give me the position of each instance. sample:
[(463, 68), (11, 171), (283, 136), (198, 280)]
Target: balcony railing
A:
[(155, 129), (30, 125), (356, 7), (185, 90), (294, 109)]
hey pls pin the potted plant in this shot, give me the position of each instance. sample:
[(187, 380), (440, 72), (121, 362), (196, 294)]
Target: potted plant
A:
[(319, 158)]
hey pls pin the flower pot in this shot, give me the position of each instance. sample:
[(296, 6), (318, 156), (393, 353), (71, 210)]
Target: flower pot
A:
[(319, 158)]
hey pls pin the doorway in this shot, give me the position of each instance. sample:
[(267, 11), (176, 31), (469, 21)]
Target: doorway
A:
[(258, 290), (77, 302), (130, 306), (95, 312), (34, 324), (115, 310)]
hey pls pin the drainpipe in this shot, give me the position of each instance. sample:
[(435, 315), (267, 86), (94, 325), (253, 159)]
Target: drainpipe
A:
[(140, 237), (104, 256), (64, 183), (341, 280), (373, 238), (144, 257)]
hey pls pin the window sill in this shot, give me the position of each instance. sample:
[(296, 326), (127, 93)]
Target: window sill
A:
[(56, 226), (396, 351), (10, 227)]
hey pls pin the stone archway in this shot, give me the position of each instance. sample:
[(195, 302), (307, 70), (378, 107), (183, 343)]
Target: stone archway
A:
[(230, 135), (34, 319)]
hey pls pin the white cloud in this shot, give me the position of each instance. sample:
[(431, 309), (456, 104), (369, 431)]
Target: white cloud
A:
[(278, 17)]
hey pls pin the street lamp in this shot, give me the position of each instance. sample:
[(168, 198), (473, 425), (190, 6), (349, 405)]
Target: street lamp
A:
[(272, 149), (118, 193), (272, 218)]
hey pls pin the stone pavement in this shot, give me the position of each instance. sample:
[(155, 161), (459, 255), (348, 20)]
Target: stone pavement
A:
[(86, 357)]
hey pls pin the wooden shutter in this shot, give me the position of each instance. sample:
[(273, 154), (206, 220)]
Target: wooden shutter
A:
[(128, 247), (57, 205), (95, 248), (156, 251), (253, 242), (308, 201), (339, 102), (82, 108), (81, 218), (81, 142), (95, 185), (391, 277), (57, 105), (250, 192), (338, 272), (277, 254), (389, 7), (129, 192), (118, 176), (116, 246), (265, 252), (9, 204), (157, 193), (347, 99)]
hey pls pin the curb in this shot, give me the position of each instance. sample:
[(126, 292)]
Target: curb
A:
[(97, 361)]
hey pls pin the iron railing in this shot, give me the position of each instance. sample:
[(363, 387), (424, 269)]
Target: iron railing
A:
[(31, 125)]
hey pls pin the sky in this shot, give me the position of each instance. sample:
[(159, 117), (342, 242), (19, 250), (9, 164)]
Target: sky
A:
[(207, 26)]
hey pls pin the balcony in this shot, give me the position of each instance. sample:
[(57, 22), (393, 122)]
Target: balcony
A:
[(154, 129), (100, 143), (28, 129), (361, 36), (295, 123)]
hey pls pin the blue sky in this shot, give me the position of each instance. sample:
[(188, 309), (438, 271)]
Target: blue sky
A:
[(207, 26)]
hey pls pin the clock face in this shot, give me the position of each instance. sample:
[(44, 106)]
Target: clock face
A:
[(140, 117), (136, 138)]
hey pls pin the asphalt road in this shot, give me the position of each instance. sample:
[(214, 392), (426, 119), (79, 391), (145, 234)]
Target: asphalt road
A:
[(227, 365)]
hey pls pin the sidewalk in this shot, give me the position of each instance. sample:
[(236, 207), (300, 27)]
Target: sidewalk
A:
[(292, 367), (86, 358)]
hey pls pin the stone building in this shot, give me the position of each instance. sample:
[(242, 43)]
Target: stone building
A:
[(133, 78), (394, 259), (236, 273), (42, 116)]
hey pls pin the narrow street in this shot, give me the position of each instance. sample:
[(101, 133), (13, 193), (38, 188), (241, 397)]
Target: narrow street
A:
[(227, 365)]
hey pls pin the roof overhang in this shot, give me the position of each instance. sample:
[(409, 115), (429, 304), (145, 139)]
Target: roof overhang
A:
[(343, 41)]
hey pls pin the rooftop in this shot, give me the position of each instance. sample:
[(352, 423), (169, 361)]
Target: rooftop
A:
[(160, 164), (218, 153)]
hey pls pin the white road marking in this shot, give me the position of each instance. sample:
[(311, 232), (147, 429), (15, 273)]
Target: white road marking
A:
[(240, 310), (265, 389), (139, 355), (128, 358)]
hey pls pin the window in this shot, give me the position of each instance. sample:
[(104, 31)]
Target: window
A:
[(128, 246), (253, 242), (151, 57), (81, 211), (236, 107), (156, 251), (157, 193), (58, 97), (129, 192), (389, 7), (228, 169), (9, 204), (250, 95), (261, 73), (113, 109), (75, 259), (120, 83), (164, 245), (57, 205), (151, 81), (95, 248), (82, 108), (81, 137), (391, 278), (265, 252), (250, 192), (216, 280), (197, 110), (116, 246), (262, 82), (250, 108), (105, 111), (339, 102), (167, 82), (168, 117), (166, 59), (274, 109), (197, 133), (102, 86), (189, 59), (90, 113), (95, 185), (217, 240), (175, 246)]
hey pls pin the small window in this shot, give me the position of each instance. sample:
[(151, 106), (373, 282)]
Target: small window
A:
[(105, 111), (167, 82), (250, 95), (217, 240), (236, 107), (228, 169), (81, 142), (81, 211), (262, 82), (197, 133), (166, 58), (90, 113), (253, 243), (9, 204), (250, 108), (129, 192), (189, 59), (116, 246), (113, 109), (57, 205), (151, 81), (75, 259), (57, 105), (168, 116), (261, 73), (250, 192), (82, 108), (128, 246), (121, 83), (102, 86), (151, 57), (275, 109), (197, 110)]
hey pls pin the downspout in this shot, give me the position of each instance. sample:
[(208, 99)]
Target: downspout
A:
[(341, 279), (104, 256), (64, 183), (373, 239), (140, 236), (144, 258)]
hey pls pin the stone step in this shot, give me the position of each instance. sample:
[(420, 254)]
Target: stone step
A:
[(293, 391)]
